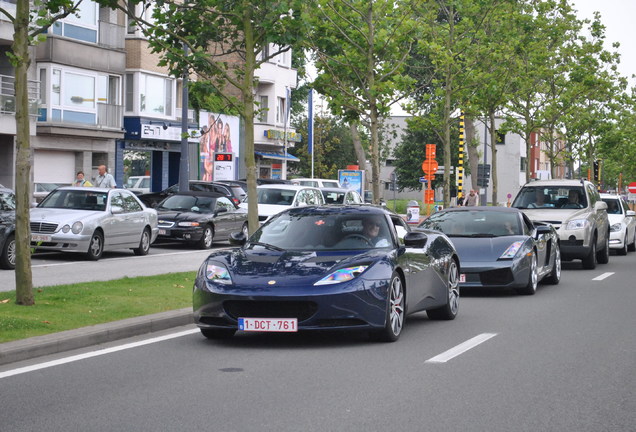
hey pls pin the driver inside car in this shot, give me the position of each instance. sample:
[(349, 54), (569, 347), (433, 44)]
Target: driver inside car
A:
[(371, 230)]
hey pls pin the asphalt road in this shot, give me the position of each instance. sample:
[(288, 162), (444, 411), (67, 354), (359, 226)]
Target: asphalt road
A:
[(562, 360), (57, 268)]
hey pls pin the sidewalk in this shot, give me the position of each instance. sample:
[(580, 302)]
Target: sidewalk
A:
[(25, 349)]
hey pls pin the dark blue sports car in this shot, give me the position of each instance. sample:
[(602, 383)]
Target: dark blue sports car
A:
[(500, 247), (329, 267)]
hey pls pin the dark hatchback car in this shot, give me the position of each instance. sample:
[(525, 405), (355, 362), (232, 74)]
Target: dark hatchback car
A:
[(7, 228), (199, 218), (153, 198)]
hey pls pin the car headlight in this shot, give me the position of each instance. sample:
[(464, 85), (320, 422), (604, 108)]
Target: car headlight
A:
[(342, 275), (577, 224), (189, 224), (76, 228), (218, 273), (616, 227), (512, 250)]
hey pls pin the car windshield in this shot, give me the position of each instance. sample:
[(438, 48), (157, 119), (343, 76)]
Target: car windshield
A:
[(276, 196), (474, 223), (76, 200), (323, 232), (7, 201), (551, 197), (613, 206), (197, 204), (334, 197)]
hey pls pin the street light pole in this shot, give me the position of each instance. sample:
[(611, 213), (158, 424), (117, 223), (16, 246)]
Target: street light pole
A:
[(184, 163)]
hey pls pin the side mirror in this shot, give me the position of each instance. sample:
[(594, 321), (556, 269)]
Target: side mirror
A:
[(600, 205), (415, 239), (237, 238), (631, 213), (116, 209), (542, 229), (221, 210)]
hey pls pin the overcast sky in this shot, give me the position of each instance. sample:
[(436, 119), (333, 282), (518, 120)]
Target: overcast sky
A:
[(618, 17)]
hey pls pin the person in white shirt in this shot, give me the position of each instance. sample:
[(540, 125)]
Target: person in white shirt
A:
[(371, 230), (104, 179)]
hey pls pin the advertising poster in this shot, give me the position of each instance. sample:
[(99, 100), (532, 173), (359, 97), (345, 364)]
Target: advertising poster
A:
[(220, 134), (352, 179)]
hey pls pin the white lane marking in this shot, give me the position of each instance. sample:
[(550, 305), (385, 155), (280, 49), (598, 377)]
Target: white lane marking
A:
[(461, 348), (603, 276), (78, 357)]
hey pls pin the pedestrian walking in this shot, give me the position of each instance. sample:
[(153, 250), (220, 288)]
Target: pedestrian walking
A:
[(104, 179), (81, 181), (472, 199)]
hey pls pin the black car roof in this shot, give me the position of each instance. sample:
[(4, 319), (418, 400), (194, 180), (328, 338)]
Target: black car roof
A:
[(353, 209), (482, 208), (200, 193)]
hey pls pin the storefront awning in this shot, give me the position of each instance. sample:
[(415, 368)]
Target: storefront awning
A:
[(276, 155)]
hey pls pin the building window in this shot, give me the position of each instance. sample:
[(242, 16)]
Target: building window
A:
[(156, 95), (522, 164), (263, 109), (129, 92), (81, 26), (280, 111)]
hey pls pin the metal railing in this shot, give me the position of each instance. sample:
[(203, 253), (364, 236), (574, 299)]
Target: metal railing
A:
[(112, 35), (110, 115)]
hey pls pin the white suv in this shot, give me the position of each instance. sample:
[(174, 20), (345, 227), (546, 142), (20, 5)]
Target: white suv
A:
[(577, 212)]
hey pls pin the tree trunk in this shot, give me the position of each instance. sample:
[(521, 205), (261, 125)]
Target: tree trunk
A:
[(23, 274), (248, 116), (473, 154), (361, 155), (493, 152)]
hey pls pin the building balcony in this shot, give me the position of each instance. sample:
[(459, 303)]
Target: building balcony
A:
[(273, 73), (107, 119), (112, 35)]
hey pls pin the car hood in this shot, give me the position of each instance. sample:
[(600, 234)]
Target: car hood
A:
[(615, 218), (56, 215), (556, 215), (483, 249), (180, 215), (292, 268)]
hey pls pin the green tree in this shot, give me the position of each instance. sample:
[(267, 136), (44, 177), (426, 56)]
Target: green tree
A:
[(360, 49), (30, 23), (225, 43)]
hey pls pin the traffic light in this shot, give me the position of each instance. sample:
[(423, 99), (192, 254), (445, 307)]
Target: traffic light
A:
[(483, 175)]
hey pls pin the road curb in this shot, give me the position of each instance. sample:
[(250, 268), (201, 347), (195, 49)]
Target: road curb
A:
[(25, 349)]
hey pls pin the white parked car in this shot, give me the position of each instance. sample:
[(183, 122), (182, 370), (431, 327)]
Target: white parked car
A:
[(341, 196), (91, 220), (138, 184), (274, 198), (316, 182), (622, 222)]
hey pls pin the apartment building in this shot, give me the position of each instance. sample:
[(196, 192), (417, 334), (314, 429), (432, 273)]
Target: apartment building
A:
[(80, 68), (7, 98), (272, 134)]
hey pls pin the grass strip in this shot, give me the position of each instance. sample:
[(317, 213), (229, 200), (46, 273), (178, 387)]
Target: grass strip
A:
[(67, 307)]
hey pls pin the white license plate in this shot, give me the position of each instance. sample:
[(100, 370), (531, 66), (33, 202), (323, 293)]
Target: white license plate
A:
[(163, 232), (462, 278), (268, 324), (40, 238)]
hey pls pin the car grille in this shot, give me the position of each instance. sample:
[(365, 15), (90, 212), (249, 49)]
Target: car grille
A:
[(41, 227), (496, 277), (302, 310), (555, 224), (165, 224)]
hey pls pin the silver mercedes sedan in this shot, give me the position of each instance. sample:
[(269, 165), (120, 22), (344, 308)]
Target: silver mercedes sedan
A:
[(92, 220)]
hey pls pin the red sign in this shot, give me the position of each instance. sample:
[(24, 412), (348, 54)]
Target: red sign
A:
[(429, 166), (632, 187)]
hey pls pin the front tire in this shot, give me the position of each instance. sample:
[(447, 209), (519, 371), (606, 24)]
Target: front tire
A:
[(207, 238), (531, 287), (589, 262), (395, 312), (555, 275), (450, 309), (144, 243), (623, 250), (632, 246), (603, 256), (7, 255), (96, 246)]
